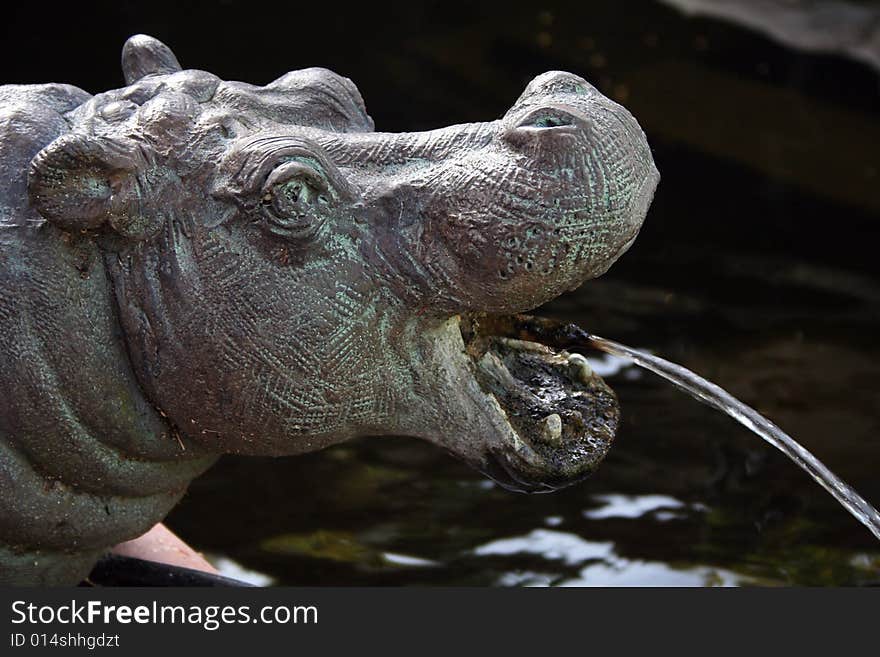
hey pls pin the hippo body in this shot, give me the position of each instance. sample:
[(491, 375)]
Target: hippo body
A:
[(191, 267)]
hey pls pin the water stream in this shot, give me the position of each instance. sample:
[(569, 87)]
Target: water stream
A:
[(715, 396)]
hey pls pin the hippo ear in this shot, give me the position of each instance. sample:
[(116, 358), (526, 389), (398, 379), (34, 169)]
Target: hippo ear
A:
[(81, 182), (143, 55)]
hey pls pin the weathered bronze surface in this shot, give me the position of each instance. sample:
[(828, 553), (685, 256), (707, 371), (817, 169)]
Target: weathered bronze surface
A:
[(190, 267)]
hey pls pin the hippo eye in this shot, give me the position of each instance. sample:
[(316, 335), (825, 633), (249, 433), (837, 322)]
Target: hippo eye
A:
[(294, 200)]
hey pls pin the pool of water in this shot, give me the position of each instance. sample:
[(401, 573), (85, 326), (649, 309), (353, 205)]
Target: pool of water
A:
[(757, 267)]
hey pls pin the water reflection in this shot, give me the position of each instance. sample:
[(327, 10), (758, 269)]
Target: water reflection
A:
[(408, 560), (623, 572), (635, 506), (551, 545), (601, 565), (234, 570)]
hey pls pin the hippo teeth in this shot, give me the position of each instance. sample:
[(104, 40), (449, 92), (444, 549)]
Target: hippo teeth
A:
[(564, 412), (551, 429)]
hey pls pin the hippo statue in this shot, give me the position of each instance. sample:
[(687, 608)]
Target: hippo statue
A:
[(191, 267)]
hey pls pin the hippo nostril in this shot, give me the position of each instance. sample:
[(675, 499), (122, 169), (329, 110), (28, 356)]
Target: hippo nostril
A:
[(550, 121), (545, 121), (553, 115), (551, 118)]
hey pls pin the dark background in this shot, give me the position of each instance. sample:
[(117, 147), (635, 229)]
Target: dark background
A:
[(757, 266)]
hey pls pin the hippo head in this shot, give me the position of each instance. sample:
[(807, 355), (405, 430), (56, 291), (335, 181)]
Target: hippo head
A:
[(287, 278)]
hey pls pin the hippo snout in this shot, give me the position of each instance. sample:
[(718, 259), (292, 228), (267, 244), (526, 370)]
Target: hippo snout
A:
[(596, 160), (552, 199)]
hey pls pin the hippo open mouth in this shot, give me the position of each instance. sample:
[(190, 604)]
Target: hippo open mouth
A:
[(562, 416)]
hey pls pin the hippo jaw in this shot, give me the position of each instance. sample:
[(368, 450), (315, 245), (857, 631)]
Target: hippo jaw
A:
[(530, 418), (563, 413)]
